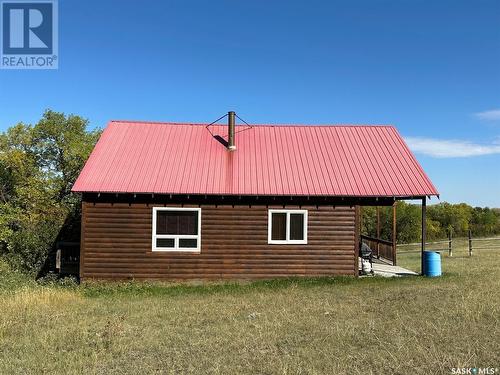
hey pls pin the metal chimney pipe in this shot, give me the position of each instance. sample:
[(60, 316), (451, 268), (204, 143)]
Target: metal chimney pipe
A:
[(231, 122)]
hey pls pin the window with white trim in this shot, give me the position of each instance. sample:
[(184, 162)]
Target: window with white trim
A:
[(176, 229), (287, 227)]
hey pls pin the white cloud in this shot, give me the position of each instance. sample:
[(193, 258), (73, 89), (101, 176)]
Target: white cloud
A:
[(450, 148), (492, 115)]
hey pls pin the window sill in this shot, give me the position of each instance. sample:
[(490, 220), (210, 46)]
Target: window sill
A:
[(190, 251), (287, 242)]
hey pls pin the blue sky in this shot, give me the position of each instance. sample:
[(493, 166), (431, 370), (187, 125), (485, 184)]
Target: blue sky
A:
[(431, 68)]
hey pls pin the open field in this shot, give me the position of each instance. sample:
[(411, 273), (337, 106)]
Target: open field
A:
[(341, 325)]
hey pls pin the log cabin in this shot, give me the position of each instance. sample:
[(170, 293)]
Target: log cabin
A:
[(182, 201)]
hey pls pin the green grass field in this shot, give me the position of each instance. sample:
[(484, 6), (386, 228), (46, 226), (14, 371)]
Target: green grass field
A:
[(326, 326)]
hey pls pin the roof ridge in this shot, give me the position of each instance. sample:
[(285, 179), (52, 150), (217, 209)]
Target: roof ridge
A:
[(351, 125)]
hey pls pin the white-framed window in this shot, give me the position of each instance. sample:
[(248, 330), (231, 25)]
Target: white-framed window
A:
[(176, 229), (287, 227)]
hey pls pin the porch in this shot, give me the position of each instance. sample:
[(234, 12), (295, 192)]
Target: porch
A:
[(381, 268), (383, 241)]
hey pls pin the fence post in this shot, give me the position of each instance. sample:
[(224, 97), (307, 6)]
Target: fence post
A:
[(470, 243), (450, 248), (58, 260)]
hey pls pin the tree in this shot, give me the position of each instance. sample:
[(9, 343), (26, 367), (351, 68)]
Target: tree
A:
[(38, 166), (408, 222), (441, 218)]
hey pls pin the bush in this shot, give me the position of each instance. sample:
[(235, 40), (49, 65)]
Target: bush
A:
[(28, 248)]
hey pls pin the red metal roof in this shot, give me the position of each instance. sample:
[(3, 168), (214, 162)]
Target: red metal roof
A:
[(173, 158)]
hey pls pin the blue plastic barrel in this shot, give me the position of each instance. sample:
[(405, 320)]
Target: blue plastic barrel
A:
[(432, 263)]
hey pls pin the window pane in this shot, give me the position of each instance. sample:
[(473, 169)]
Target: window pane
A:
[(188, 242), (278, 226), (296, 226), (165, 242), (177, 222)]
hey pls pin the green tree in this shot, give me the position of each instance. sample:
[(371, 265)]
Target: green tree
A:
[(38, 166), (441, 218), (408, 222)]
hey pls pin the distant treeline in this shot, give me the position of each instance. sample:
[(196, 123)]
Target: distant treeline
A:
[(441, 218)]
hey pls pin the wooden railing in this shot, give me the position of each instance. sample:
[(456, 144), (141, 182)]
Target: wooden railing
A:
[(381, 248)]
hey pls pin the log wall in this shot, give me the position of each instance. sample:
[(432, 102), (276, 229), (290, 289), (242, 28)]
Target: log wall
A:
[(116, 244)]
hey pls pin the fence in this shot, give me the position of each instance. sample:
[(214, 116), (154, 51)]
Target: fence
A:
[(490, 243), (430, 246)]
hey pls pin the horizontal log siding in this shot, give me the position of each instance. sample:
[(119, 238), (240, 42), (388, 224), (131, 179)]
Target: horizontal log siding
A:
[(116, 243)]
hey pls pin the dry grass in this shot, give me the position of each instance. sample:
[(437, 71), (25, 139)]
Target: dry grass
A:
[(345, 325)]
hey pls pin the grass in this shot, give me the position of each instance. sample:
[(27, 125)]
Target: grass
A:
[(298, 326)]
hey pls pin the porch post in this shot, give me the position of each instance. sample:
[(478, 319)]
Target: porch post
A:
[(357, 229), (394, 233), (424, 233), (378, 231)]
